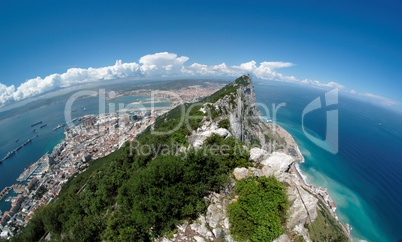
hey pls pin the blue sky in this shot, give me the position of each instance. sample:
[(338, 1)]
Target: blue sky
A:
[(354, 43)]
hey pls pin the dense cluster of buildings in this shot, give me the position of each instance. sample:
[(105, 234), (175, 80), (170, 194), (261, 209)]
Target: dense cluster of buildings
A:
[(324, 194), (183, 95), (87, 138)]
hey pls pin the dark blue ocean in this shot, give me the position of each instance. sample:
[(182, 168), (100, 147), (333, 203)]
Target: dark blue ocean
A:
[(364, 178)]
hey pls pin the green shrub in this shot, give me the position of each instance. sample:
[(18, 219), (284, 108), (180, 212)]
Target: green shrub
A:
[(260, 210), (225, 123)]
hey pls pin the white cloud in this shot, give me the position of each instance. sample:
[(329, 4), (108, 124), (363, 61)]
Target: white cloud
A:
[(6, 92), (379, 99), (156, 65), (162, 64), (331, 85), (376, 99)]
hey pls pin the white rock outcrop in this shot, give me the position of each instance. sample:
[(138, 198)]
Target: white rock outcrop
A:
[(198, 137), (241, 173), (276, 164), (257, 154), (282, 238)]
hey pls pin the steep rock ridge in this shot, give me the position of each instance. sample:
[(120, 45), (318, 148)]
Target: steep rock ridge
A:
[(146, 191), (239, 107), (237, 104)]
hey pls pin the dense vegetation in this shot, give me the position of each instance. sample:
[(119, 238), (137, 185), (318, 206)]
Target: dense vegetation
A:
[(144, 189), (229, 89), (224, 124), (260, 210), (325, 227)]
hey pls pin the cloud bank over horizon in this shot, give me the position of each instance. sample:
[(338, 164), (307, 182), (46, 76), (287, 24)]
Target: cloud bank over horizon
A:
[(158, 65)]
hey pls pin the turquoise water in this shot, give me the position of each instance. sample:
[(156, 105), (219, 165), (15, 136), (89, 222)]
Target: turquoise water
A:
[(365, 177)]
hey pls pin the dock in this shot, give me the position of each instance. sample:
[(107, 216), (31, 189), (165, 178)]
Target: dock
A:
[(4, 193), (27, 172)]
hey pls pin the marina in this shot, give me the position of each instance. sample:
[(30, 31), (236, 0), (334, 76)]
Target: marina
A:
[(33, 169), (27, 172)]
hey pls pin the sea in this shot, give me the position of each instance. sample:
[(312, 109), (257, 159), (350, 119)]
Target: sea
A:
[(364, 177), (17, 129)]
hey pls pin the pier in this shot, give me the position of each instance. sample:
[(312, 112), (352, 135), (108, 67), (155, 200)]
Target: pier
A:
[(4, 193), (28, 172)]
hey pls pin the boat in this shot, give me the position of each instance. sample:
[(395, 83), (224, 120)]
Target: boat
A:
[(58, 127), (17, 140), (9, 154), (43, 126), (29, 140), (32, 125)]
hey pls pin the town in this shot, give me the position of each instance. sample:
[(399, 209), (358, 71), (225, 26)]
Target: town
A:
[(87, 138)]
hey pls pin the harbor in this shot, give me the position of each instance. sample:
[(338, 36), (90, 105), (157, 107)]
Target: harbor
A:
[(26, 174)]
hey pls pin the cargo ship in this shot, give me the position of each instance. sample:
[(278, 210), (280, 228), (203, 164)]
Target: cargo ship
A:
[(43, 126), (9, 154), (59, 126), (32, 125)]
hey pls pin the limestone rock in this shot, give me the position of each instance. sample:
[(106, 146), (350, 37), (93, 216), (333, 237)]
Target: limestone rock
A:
[(297, 211), (222, 132), (276, 164), (282, 238), (255, 171), (198, 143), (226, 223), (257, 154), (199, 239), (240, 173)]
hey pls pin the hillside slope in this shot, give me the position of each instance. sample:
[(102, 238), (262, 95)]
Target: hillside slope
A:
[(178, 180)]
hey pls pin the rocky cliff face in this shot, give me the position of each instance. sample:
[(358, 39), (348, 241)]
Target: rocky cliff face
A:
[(240, 108), (272, 151)]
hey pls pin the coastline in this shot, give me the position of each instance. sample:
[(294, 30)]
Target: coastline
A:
[(68, 158), (302, 179)]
